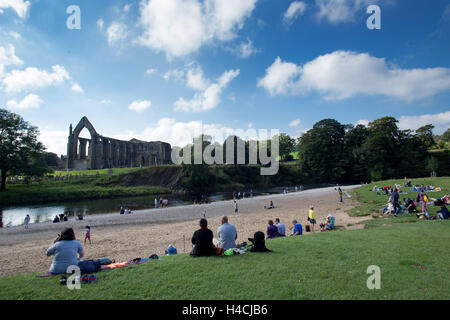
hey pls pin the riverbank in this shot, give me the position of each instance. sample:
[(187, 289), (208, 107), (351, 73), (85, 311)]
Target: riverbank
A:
[(123, 237)]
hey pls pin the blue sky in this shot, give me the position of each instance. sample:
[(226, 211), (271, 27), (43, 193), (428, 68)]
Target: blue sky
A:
[(160, 69)]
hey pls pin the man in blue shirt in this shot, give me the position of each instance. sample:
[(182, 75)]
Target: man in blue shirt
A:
[(298, 229), (227, 234), (281, 227)]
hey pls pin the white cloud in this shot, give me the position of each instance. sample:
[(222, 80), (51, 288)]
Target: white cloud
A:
[(150, 71), (209, 98), (21, 7), (441, 122), (178, 27), (195, 79), (338, 11), (116, 33), (296, 9), (344, 74), (31, 101), (100, 24), (363, 122), (294, 123), (245, 49), (140, 105), (31, 78), (280, 77), (76, 87), (105, 101), (173, 74), (8, 58), (182, 133), (15, 35), (54, 140)]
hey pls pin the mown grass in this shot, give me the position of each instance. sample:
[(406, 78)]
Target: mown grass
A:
[(103, 187), (372, 204), (92, 172), (413, 259)]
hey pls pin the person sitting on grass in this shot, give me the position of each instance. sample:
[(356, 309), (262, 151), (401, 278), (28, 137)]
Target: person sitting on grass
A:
[(66, 250), (298, 229), (387, 210), (202, 241), (410, 205), (281, 228), (329, 223), (227, 234), (443, 213), (272, 231)]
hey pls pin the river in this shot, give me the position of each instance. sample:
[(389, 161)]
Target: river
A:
[(15, 215)]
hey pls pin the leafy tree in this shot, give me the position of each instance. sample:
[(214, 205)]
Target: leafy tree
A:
[(20, 152), (425, 134), (321, 151), (198, 180), (286, 146)]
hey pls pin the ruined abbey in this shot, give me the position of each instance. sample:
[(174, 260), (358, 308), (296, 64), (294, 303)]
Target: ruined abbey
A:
[(101, 152)]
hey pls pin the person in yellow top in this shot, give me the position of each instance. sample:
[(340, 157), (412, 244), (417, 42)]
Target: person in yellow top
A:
[(312, 218)]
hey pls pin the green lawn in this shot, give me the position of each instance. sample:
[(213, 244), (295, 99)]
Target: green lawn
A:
[(371, 203), (91, 187), (413, 258)]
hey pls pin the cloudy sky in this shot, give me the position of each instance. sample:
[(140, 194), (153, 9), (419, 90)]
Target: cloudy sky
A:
[(162, 69)]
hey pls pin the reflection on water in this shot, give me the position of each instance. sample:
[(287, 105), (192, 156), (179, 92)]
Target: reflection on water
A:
[(14, 216)]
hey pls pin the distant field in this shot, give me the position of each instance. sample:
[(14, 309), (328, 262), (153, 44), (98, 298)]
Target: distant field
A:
[(94, 172)]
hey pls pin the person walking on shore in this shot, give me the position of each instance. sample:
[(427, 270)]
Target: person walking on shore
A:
[(340, 194), (27, 221), (236, 209)]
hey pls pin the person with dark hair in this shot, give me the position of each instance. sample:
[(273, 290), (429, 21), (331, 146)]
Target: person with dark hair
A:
[(66, 250), (281, 228), (203, 241), (443, 213), (272, 231), (56, 219), (394, 197)]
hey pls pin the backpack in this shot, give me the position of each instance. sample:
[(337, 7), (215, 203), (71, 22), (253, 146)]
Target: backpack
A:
[(308, 228), (258, 242), (89, 266)]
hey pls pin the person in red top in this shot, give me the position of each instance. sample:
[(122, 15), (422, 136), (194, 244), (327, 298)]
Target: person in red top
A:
[(87, 234)]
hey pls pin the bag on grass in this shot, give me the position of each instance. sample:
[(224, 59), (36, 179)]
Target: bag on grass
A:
[(308, 228)]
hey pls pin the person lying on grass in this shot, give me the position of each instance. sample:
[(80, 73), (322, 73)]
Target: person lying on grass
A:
[(66, 250), (443, 213)]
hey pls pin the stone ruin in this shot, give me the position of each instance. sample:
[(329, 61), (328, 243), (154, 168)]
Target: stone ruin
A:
[(101, 152)]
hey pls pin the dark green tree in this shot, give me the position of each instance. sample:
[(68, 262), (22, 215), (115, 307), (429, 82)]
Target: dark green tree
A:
[(286, 146), (20, 151), (321, 151)]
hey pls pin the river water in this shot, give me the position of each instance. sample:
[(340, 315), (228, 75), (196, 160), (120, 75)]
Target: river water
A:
[(14, 216)]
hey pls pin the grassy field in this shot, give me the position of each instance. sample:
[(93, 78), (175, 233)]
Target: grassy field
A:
[(93, 172), (104, 187), (371, 203), (413, 259), (412, 255)]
